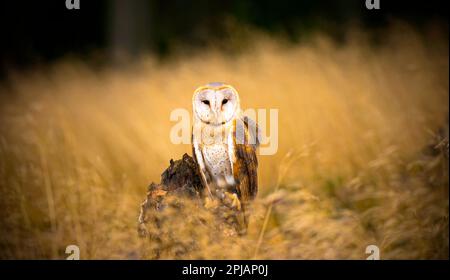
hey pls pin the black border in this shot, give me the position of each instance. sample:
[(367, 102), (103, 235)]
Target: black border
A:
[(63, 269)]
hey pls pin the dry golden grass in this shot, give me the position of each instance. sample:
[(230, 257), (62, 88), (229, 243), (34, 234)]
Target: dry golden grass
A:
[(79, 145)]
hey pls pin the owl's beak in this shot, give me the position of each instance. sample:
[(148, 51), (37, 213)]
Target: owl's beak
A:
[(216, 120), (216, 115)]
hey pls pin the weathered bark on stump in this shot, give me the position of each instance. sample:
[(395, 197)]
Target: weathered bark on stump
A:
[(181, 179)]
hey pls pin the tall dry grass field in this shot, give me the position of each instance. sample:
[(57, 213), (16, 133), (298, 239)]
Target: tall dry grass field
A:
[(362, 156)]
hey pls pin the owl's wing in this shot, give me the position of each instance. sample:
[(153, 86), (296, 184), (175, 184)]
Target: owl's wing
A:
[(198, 158), (245, 163), (254, 132)]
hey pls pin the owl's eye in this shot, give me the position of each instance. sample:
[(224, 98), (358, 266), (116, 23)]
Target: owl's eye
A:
[(205, 102), (225, 101)]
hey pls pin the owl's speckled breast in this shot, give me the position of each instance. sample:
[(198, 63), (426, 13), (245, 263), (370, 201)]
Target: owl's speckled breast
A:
[(217, 160)]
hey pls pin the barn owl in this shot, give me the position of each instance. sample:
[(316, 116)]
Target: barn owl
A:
[(224, 144)]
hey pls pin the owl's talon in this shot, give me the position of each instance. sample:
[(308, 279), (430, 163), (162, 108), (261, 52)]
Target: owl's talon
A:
[(235, 201)]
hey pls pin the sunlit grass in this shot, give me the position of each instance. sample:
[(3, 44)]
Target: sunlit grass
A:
[(79, 145)]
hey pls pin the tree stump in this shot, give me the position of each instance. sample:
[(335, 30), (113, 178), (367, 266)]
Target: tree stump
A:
[(180, 179), (176, 214)]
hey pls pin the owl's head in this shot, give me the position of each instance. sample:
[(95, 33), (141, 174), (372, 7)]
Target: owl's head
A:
[(215, 103)]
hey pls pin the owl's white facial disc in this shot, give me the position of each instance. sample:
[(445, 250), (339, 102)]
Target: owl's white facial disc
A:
[(215, 105)]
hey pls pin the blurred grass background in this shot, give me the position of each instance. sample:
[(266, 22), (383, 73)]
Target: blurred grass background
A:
[(358, 160), (85, 100)]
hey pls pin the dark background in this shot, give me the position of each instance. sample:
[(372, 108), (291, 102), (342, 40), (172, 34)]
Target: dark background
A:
[(42, 31)]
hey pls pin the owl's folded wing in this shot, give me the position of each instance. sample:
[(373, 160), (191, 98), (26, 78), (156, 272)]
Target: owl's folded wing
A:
[(246, 164)]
